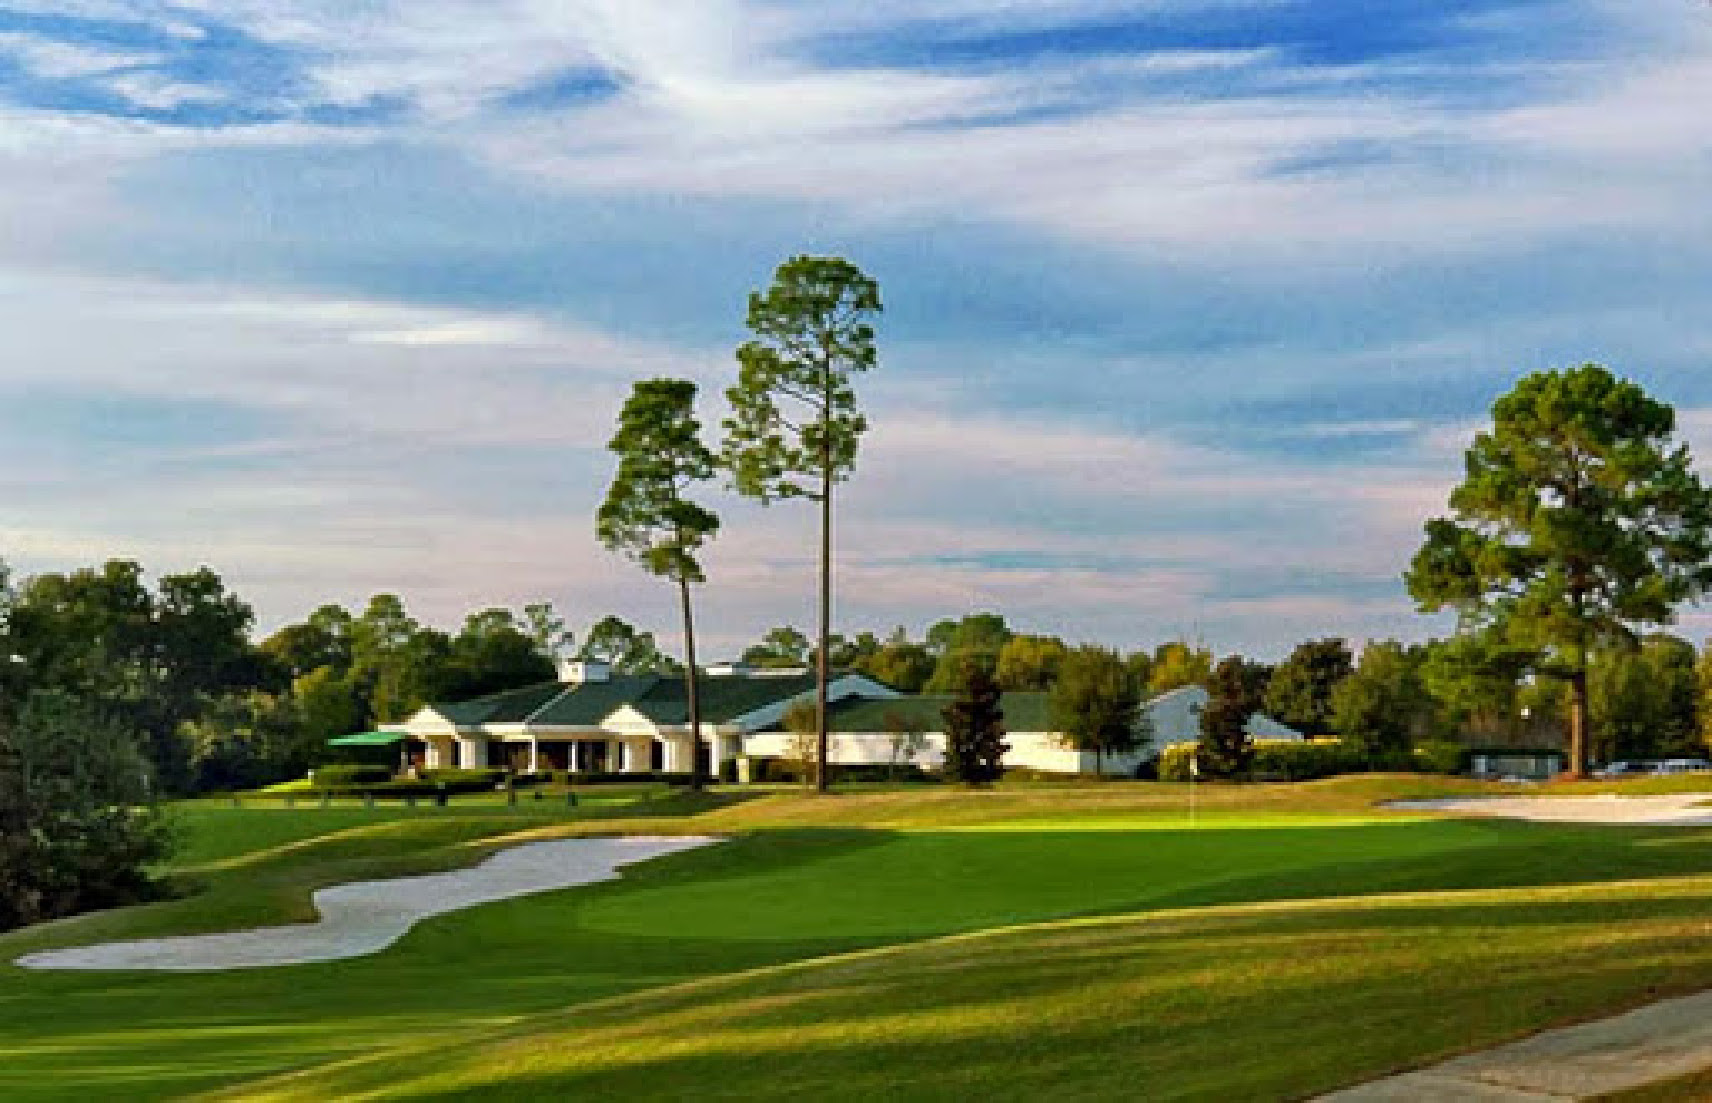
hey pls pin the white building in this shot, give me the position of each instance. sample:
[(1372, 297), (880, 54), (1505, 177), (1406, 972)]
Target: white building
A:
[(591, 720)]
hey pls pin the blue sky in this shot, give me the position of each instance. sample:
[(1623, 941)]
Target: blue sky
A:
[(1192, 305)]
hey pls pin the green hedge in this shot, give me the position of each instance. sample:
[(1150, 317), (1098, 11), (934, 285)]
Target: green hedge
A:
[(614, 778), (1290, 760), (1275, 760), (777, 771), (459, 779), (379, 781), (342, 776)]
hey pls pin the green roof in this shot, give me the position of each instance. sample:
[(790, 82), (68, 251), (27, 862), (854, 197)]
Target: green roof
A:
[(659, 697), (510, 707), (1024, 712), (589, 703), (367, 739), (724, 697)]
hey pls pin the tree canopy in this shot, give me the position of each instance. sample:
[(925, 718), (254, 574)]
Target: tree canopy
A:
[(1096, 704), (625, 648), (648, 514), (1299, 692), (1579, 519), (794, 425)]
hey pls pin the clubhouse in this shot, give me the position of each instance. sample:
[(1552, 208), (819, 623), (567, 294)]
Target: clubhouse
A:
[(592, 720)]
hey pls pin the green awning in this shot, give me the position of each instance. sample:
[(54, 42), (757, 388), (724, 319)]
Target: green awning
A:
[(368, 739)]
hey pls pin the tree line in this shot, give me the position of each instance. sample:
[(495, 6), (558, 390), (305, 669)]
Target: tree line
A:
[(174, 669)]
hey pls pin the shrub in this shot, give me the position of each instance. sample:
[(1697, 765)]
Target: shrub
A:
[(613, 778), (776, 770), (466, 779), (1274, 759), (78, 829), (880, 771), (1290, 760), (1441, 756), (1174, 762), (345, 775)]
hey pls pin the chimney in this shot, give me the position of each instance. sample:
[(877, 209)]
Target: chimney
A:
[(574, 672)]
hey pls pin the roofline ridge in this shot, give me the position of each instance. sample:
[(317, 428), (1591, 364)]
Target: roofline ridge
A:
[(564, 688), (496, 694)]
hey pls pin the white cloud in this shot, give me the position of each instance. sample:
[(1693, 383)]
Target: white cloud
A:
[(51, 59)]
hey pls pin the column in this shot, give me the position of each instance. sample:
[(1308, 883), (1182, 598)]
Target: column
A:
[(534, 755)]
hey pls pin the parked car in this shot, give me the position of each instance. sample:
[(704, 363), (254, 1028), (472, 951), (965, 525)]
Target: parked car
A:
[(1684, 766), (1624, 769)]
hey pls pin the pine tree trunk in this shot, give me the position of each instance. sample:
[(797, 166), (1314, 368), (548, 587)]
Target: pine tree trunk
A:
[(1578, 724), (692, 687), (822, 660)]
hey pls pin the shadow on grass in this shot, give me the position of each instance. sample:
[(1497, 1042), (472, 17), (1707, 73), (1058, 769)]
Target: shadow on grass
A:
[(1130, 1009), (460, 972)]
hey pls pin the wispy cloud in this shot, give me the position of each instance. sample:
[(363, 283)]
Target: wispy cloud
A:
[(1193, 303)]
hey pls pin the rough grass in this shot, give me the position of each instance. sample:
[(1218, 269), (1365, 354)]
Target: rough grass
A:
[(806, 879), (1258, 1001)]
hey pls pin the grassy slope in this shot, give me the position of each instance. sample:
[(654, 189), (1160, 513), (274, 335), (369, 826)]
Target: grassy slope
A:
[(801, 883), (1259, 1001)]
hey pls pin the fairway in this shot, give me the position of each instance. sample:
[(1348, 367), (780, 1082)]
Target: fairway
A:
[(1273, 923)]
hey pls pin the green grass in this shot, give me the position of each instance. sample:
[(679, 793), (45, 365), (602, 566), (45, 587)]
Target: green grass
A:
[(720, 970)]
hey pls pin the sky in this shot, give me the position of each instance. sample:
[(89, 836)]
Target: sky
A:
[(1191, 306)]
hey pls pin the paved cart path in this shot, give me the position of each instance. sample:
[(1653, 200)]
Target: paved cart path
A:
[(1661, 1041), (365, 917)]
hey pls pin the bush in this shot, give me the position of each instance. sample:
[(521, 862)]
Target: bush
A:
[(1290, 760), (880, 771), (1274, 760), (1441, 756), (345, 775), (776, 770), (612, 778), (78, 830), (457, 779)]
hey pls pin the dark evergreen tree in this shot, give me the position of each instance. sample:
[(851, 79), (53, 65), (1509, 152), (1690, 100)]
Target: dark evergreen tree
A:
[(1233, 697), (975, 730)]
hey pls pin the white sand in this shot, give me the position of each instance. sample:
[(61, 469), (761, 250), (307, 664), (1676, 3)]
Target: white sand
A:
[(365, 917), (1666, 810)]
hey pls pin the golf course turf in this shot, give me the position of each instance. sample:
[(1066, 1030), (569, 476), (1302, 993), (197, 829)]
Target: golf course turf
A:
[(1082, 941)]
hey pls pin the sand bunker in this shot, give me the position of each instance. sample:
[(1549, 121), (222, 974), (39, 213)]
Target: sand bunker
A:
[(1663, 810), (365, 917)]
